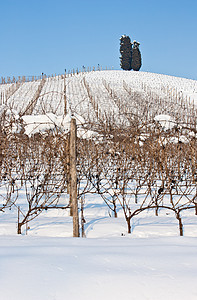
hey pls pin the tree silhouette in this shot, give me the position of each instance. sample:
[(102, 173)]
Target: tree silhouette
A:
[(136, 62), (125, 51)]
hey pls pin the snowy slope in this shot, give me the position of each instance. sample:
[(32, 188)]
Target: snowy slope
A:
[(152, 262), (96, 94)]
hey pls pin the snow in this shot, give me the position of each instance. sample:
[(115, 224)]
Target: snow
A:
[(152, 262), (166, 121), (114, 268), (33, 124), (110, 91), (39, 123)]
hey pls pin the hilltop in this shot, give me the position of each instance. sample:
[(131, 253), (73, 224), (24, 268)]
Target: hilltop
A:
[(102, 94)]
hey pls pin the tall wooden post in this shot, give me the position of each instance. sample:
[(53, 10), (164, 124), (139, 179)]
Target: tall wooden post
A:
[(68, 166), (19, 224), (73, 177), (65, 102)]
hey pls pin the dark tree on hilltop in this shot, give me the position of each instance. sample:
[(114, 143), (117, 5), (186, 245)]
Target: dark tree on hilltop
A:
[(125, 51), (136, 57)]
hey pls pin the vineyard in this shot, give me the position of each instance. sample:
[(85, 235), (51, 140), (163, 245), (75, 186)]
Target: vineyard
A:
[(136, 151)]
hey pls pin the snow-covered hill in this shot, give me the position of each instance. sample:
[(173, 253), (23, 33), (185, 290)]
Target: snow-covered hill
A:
[(100, 94), (150, 263)]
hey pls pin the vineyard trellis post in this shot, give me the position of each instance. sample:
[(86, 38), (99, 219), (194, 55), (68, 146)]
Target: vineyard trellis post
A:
[(18, 222), (73, 177), (65, 102)]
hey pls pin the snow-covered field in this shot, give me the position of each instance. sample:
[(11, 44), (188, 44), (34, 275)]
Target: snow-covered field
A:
[(108, 268), (95, 94), (48, 263), (152, 262)]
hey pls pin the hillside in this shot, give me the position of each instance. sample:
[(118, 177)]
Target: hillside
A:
[(141, 118), (103, 94), (136, 179)]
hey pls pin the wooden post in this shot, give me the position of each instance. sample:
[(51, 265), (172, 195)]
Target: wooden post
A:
[(19, 224), (68, 166), (65, 102), (82, 217), (73, 178)]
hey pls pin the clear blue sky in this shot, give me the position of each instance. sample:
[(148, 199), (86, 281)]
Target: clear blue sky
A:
[(48, 36)]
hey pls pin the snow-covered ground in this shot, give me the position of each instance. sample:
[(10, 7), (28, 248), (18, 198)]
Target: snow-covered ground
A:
[(152, 262), (109, 268)]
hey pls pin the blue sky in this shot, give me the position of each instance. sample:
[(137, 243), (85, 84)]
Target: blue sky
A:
[(48, 36)]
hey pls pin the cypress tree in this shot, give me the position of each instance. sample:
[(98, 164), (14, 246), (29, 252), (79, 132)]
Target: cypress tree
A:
[(136, 57), (125, 51)]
